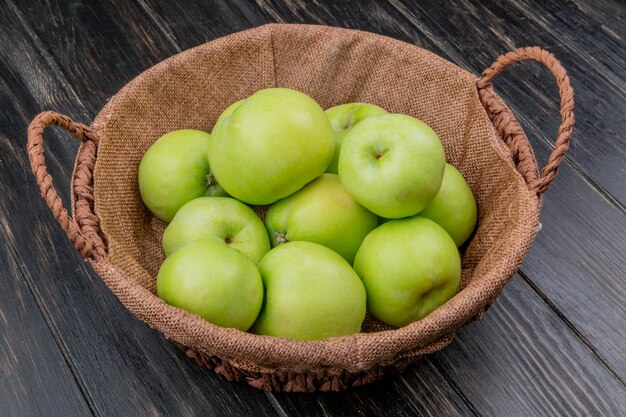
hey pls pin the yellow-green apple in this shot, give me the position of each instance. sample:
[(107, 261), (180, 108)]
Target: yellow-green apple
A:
[(175, 170), (454, 206), (214, 281), (222, 219), (342, 119), (310, 293), (392, 164), (321, 212), (270, 145), (409, 268)]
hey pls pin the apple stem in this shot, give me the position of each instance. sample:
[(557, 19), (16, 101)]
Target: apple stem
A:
[(280, 238), (210, 179), (350, 121)]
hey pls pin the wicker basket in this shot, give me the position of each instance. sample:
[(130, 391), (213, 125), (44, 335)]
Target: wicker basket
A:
[(113, 230)]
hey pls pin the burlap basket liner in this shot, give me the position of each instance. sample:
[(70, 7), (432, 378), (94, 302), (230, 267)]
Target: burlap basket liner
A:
[(190, 90)]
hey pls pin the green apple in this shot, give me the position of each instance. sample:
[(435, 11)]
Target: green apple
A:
[(222, 219), (454, 206), (342, 119), (270, 145), (409, 268), (229, 110), (310, 293), (392, 164), (174, 170), (321, 212), (214, 281)]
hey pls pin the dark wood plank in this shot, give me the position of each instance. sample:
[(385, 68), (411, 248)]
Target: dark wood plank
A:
[(420, 391), (581, 33), (519, 360), (193, 23), (609, 12), (127, 368), (578, 262), (36, 380), (96, 48)]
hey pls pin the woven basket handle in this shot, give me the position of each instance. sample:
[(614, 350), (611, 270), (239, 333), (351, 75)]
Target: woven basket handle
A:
[(84, 229), (510, 128)]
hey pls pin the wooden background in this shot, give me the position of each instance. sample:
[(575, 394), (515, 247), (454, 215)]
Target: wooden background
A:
[(553, 343)]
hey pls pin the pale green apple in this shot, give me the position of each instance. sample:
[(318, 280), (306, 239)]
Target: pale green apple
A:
[(454, 206), (214, 281), (175, 170), (343, 118), (222, 219), (392, 164), (310, 293), (409, 268), (270, 145), (321, 212)]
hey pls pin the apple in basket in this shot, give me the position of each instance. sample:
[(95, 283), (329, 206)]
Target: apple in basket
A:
[(454, 206), (222, 219), (310, 293), (175, 170), (392, 164), (270, 145), (343, 118), (321, 212), (409, 268), (214, 281)]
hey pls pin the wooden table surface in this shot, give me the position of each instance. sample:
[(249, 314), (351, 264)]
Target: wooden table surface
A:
[(554, 342)]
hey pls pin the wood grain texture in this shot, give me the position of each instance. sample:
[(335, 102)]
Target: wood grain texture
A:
[(578, 262), (421, 391), (610, 14), (519, 360), (127, 368), (31, 364), (98, 48)]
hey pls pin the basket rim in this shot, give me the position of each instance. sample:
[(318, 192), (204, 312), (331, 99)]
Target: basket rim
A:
[(142, 299)]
